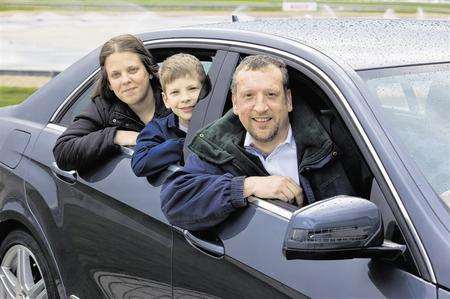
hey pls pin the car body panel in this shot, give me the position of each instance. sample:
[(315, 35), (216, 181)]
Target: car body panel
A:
[(443, 294), (392, 42), (263, 232), (15, 145), (99, 232)]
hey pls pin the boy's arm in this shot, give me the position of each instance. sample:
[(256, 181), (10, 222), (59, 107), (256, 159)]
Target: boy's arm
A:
[(153, 152), (201, 195)]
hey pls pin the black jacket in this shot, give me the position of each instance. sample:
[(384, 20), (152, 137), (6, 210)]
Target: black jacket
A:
[(328, 161), (89, 140), (210, 186)]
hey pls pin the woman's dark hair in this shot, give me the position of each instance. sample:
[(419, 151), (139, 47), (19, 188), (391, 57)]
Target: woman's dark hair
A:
[(129, 43)]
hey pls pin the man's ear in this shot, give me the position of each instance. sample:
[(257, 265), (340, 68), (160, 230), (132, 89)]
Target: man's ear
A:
[(235, 106), (289, 100), (164, 97)]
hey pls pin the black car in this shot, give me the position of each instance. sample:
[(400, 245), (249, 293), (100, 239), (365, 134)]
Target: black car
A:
[(102, 233)]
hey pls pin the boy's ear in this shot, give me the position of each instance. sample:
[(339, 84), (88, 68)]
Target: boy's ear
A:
[(164, 97)]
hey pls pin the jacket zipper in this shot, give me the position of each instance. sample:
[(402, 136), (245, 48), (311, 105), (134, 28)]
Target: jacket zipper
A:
[(138, 123)]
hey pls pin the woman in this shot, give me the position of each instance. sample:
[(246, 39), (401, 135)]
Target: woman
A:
[(128, 96)]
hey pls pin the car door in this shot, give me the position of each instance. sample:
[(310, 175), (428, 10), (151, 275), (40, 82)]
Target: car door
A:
[(199, 267), (106, 225), (242, 257)]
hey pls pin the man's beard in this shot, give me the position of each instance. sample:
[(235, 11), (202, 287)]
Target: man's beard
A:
[(271, 136)]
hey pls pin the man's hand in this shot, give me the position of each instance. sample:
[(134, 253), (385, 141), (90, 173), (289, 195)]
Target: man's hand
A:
[(125, 138), (278, 187)]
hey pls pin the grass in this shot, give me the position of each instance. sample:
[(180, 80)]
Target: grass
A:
[(170, 5), (38, 5), (14, 95)]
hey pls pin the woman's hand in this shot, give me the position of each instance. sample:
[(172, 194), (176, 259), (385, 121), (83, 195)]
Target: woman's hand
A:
[(125, 138)]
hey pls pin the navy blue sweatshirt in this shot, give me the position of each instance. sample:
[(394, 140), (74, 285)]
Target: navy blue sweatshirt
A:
[(159, 145)]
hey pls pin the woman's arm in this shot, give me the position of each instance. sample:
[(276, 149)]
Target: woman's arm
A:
[(87, 141)]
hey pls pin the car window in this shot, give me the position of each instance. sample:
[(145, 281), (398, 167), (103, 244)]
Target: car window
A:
[(82, 98), (305, 90), (79, 105), (415, 102)]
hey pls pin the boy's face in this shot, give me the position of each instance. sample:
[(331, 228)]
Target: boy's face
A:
[(181, 95)]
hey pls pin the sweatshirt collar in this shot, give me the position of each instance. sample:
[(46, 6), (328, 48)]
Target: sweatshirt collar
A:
[(172, 120)]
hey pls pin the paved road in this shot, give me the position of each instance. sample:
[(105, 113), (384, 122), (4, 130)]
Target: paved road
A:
[(48, 41), (53, 41)]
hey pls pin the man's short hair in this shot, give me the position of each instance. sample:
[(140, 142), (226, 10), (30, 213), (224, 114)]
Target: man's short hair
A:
[(179, 66), (258, 62)]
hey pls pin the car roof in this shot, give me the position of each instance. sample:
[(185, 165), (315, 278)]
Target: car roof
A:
[(361, 43)]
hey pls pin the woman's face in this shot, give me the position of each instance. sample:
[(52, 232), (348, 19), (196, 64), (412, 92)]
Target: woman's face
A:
[(127, 77)]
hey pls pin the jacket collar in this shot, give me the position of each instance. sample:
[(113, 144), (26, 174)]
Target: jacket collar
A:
[(213, 143), (312, 140), (120, 110), (210, 143), (172, 120), (123, 109)]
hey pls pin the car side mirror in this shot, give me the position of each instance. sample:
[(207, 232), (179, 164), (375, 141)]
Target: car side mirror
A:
[(341, 227)]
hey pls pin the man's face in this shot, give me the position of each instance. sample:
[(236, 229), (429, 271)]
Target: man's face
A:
[(262, 104)]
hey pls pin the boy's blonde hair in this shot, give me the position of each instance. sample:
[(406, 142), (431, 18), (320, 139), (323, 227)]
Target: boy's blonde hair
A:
[(179, 66)]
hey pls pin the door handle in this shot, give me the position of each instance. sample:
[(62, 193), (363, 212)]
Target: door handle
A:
[(67, 176), (212, 248)]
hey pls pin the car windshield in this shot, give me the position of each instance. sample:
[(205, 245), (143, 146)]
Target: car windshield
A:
[(415, 102)]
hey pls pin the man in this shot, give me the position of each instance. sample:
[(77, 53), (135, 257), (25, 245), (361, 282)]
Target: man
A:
[(255, 150)]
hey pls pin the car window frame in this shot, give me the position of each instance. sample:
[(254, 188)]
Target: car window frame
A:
[(74, 96), (355, 127), (62, 119)]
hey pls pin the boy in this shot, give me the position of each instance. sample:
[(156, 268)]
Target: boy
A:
[(160, 143)]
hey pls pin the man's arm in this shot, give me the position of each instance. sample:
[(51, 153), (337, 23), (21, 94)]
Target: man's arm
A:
[(274, 187), (201, 195)]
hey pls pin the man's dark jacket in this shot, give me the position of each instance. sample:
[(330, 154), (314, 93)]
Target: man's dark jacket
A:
[(89, 140), (159, 145), (210, 186)]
